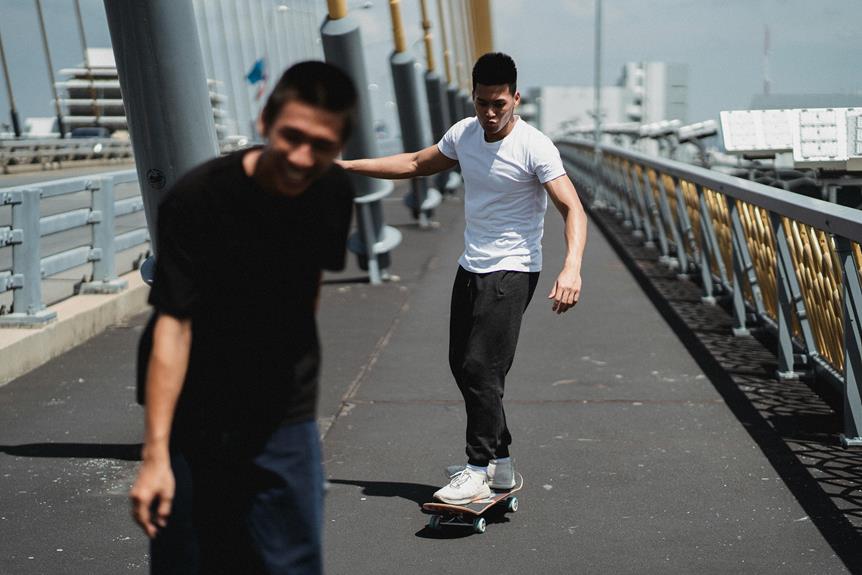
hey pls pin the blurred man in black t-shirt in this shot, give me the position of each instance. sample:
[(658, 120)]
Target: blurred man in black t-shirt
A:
[(231, 479)]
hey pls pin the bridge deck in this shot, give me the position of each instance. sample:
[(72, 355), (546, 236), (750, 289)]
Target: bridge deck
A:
[(634, 458)]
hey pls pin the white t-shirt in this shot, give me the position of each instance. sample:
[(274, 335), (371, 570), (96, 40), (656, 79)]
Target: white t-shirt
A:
[(504, 197)]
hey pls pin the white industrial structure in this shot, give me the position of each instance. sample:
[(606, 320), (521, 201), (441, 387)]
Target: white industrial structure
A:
[(647, 92), (92, 95)]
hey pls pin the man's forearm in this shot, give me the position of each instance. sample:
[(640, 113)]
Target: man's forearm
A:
[(165, 375), (397, 167), (576, 236)]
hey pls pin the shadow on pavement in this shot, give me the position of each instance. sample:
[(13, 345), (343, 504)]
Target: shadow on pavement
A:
[(415, 492), (120, 451), (493, 516), (346, 281)]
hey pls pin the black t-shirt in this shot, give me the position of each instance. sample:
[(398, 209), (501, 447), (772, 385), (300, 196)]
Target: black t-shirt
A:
[(244, 265)]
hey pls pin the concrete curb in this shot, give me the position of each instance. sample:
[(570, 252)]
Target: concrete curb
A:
[(78, 319)]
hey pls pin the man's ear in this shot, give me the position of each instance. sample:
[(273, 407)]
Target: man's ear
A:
[(517, 97)]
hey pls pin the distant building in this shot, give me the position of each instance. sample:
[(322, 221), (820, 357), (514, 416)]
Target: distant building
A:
[(646, 92), (92, 96)]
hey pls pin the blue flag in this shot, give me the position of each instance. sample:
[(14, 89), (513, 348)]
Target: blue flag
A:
[(257, 72)]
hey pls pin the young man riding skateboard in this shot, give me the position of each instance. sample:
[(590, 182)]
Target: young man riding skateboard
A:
[(231, 479), (509, 169)]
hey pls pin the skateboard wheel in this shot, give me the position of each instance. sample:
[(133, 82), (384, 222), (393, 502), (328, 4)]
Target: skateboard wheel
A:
[(479, 525), (512, 504), (434, 522)]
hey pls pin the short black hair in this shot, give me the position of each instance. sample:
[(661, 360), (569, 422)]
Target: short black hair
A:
[(494, 69), (317, 84)]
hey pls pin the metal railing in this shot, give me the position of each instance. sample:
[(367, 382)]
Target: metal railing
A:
[(789, 263), (49, 151), (28, 227)]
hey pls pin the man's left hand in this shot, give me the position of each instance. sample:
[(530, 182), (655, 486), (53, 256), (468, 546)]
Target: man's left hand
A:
[(566, 290)]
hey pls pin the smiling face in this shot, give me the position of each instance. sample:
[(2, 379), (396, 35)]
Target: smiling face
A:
[(304, 140), (495, 109)]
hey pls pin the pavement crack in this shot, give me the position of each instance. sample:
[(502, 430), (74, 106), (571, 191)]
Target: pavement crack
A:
[(347, 404)]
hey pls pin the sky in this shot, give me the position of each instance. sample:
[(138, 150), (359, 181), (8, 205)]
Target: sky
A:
[(813, 50)]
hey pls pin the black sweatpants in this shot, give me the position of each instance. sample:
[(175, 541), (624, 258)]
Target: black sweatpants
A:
[(484, 323)]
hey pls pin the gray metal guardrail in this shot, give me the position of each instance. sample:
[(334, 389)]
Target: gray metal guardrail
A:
[(45, 152), (28, 227), (789, 263)]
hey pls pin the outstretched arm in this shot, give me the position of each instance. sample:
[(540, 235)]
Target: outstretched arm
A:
[(401, 166), (172, 340), (567, 288)]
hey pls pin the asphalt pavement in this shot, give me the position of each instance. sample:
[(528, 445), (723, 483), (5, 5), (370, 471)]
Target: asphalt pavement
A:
[(633, 460)]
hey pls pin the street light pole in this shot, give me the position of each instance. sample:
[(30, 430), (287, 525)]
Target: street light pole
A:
[(598, 103)]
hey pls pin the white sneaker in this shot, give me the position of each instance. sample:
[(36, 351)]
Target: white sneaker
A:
[(465, 487), (501, 475)]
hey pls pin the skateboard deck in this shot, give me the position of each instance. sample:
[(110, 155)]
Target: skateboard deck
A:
[(470, 514)]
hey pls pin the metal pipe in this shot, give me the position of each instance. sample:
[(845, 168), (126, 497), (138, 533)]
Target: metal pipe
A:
[(397, 26), (57, 109), (206, 45), (598, 74), (279, 35), (337, 9), (427, 37), (81, 33), (244, 59), (469, 57), (484, 34), (13, 112), (234, 103), (469, 33), (446, 54), (459, 64)]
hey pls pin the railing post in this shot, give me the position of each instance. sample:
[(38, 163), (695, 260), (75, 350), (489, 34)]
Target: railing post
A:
[(687, 230), (102, 217), (639, 221), (625, 196), (656, 215), (27, 307), (681, 259), (788, 295), (740, 269), (745, 260), (645, 206), (710, 250), (852, 300), (631, 198)]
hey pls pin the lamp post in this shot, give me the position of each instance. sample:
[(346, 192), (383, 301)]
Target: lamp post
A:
[(597, 192)]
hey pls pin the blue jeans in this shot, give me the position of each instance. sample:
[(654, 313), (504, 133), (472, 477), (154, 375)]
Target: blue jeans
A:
[(261, 514)]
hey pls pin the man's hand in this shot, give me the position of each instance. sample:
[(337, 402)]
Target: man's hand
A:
[(566, 290), (155, 485)]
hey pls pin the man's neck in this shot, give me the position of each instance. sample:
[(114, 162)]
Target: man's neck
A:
[(249, 161), (502, 133)]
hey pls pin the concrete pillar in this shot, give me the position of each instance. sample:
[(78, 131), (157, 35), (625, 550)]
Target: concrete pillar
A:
[(342, 47), (165, 93)]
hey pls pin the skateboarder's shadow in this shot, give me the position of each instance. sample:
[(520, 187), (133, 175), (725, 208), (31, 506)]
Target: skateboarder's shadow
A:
[(415, 492)]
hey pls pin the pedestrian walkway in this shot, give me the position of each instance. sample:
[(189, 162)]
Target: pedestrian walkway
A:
[(633, 460)]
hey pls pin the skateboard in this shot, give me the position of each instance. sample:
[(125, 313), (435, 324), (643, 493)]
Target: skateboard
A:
[(470, 514)]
